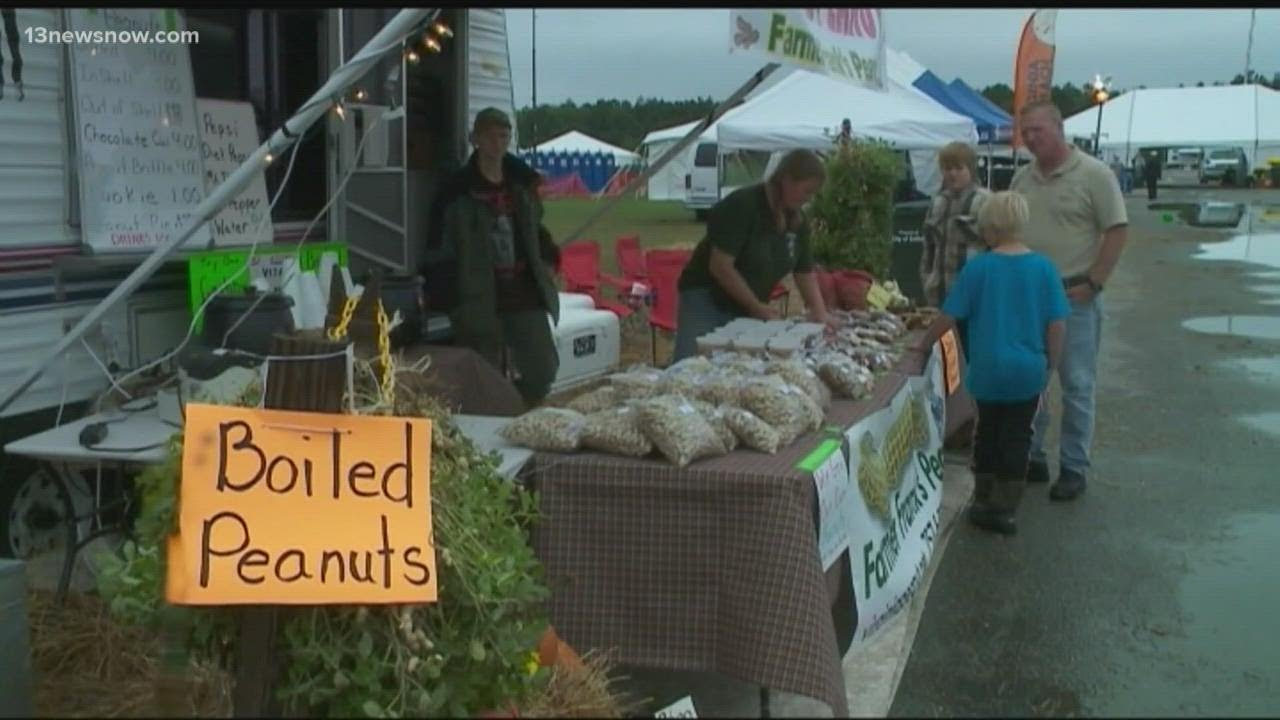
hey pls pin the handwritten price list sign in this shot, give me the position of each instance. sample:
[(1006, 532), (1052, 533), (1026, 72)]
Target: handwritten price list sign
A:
[(141, 173), (281, 507)]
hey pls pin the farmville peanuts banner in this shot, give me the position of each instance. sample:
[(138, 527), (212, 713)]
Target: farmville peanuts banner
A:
[(845, 43), (895, 468)]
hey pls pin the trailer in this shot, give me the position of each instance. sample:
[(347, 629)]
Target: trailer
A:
[(415, 107)]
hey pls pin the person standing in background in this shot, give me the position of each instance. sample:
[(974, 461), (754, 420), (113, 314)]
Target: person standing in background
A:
[(1079, 220), (950, 232), (1151, 171), (1015, 306), (492, 261)]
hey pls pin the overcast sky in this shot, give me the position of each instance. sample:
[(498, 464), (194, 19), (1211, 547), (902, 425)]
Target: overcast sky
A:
[(587, 54)]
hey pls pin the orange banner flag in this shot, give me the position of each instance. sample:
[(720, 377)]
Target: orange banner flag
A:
[(1033, 65)]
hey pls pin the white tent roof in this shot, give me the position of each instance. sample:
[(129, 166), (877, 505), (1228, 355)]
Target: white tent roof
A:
[(1247, 116), (574, 141), (902, 69), (805, 111)]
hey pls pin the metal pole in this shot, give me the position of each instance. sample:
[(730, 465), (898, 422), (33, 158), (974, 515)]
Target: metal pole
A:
[(312, 110), (1097, 133), (533, 115), (674, 150)]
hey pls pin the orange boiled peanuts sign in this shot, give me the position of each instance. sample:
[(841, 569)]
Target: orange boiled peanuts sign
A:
[(298, 508)]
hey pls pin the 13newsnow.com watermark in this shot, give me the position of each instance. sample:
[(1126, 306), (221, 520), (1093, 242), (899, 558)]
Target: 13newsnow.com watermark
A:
[(41, 35)]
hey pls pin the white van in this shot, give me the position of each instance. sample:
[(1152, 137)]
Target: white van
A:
[(702, 184)]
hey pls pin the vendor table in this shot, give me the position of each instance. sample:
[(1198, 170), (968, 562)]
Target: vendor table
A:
[(714, 567), (133, 438), (483, 433)]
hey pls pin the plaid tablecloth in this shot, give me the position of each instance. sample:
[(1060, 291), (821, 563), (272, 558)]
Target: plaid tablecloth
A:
[(713, 567)]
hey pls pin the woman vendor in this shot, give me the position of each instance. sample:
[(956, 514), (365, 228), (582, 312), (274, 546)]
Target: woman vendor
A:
[(755, 237)]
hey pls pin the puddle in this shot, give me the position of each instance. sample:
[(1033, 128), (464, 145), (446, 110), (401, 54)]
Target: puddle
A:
[(1265, 275), (1265, 368), (1268, 423), (1202, 214), (1266, 289), (1259, 249), (1229, 598), (1257, 327)]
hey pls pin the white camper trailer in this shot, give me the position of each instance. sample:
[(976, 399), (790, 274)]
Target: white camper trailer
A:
[(52, 272)]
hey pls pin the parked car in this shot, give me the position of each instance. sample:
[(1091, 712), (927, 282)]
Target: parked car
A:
[(1227, 165)]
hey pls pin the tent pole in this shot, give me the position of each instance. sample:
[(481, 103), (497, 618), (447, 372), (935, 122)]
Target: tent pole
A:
[(674, 150), (313, 109)]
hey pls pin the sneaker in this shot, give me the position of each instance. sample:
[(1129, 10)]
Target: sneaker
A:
[(1037, 472), (1070, 486)]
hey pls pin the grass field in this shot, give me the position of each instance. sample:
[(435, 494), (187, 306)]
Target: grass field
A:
[(659, 223)]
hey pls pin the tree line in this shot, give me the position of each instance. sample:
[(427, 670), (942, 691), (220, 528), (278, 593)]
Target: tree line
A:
[(625, 122)]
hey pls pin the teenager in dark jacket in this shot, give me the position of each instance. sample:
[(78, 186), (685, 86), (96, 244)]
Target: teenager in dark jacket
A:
[(491, 263)]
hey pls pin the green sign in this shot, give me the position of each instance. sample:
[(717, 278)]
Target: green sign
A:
[(209, 270), (814, 460)]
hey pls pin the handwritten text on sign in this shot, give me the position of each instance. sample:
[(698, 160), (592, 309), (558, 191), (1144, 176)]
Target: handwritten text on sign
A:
[(228, 136), (283, 507), (141, 174)]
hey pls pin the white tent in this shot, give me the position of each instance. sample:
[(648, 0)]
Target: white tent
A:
[(805, 111), (668, 183), (1245, 116), (574, 141)]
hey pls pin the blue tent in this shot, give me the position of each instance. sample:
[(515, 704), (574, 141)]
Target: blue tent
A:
[(1004, 122), (987, 122)]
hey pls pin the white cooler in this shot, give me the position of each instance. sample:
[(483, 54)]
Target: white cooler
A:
[(588, 342), (576, 301)]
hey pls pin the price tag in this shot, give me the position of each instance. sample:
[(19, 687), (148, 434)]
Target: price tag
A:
[(951, 361)]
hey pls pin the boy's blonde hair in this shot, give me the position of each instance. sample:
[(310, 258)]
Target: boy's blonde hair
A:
[(1004, 216)]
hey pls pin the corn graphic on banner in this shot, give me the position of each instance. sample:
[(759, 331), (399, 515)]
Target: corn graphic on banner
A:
[(895, 469)]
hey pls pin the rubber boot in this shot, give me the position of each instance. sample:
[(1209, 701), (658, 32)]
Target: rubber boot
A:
[(980, 509), (1006, 494)]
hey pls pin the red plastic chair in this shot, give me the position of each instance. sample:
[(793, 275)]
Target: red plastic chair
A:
[(580, 268), (664, 268), (626, 250)]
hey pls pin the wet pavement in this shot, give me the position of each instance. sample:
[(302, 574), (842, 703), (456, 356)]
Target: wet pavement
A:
[(1155, 593)]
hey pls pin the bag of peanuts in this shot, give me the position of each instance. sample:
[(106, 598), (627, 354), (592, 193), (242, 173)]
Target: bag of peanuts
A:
[(678, 430), (721, 386), (845, 377), (548, 429), (752, 432), (636, 384), (617, 431), (715, 417), (798, 373), (779, 403), (604, 397)]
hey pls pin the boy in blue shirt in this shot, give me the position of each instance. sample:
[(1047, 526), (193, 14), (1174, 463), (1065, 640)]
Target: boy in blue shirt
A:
[(1016, 308)]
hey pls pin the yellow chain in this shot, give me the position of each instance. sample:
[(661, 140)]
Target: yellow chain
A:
[(339, 331), (384, 354)]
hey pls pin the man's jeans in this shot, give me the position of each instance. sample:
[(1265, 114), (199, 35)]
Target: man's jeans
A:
[(1077, 373)]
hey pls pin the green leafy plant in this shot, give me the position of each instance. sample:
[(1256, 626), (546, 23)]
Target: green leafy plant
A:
[(852, 216), (473, 650)]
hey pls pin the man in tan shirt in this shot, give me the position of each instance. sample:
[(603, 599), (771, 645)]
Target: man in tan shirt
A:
[(1078, 219)]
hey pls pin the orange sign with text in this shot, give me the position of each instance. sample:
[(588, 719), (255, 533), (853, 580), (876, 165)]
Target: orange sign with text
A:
[(297, 508), (951, 361)]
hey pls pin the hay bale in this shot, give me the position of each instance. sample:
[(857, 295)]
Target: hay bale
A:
[(89, 665)]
